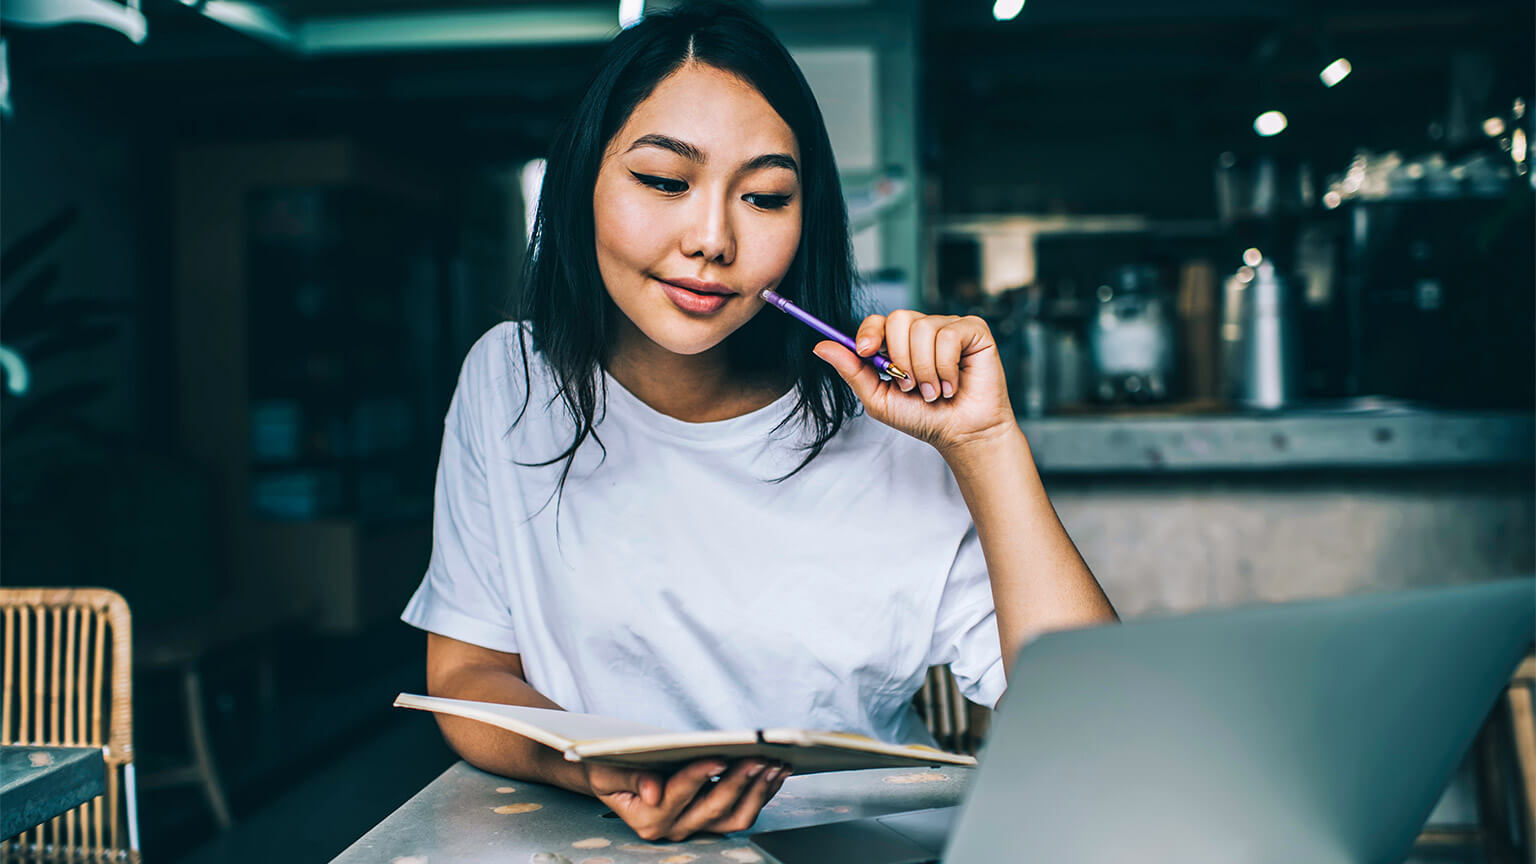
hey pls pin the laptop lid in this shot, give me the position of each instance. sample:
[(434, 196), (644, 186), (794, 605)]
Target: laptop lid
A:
[(1319, 731)]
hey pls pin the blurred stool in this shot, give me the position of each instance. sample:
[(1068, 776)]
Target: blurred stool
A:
[(245, 631)]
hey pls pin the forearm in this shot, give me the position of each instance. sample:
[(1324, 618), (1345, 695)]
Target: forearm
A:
[(497, 750), (1039, 581)]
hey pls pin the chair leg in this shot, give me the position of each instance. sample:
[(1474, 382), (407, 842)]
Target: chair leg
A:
[(1490, 753), (1522, 713), (131, 794), (192, 692)]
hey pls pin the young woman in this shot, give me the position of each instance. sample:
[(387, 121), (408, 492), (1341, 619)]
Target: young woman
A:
[(659, 499)]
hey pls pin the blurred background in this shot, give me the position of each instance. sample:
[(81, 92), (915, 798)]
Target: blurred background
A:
[(1262, 274)]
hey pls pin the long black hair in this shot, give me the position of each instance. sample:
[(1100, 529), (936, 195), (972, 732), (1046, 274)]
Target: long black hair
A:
[(563, 299)]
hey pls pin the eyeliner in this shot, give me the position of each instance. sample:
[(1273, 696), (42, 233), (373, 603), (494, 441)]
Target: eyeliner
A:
[(880, 361)]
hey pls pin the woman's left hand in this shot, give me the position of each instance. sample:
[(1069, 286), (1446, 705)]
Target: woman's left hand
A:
[(956, 393)]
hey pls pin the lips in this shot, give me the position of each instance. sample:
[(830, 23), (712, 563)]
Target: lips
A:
[(700, 287), (691, 295)]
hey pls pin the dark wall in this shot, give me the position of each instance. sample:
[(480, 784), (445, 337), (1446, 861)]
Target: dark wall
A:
[(1072, 108)]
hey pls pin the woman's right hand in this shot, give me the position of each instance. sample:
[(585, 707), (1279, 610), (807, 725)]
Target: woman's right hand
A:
[(691, 800)]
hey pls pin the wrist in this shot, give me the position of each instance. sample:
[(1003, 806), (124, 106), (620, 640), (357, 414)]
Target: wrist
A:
[(982, 451), (568, 775), (550, 767)]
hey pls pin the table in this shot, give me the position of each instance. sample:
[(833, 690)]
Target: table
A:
[(469, 816), (39, 783)]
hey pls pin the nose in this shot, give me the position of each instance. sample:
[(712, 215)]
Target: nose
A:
[(709, 233)]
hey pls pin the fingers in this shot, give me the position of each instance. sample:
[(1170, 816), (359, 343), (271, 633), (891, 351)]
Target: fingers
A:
[(632, 794), (898, 343), (610, 780), (929, 348), (684, 786), (924, 369), (947, 351), (723, 799), (650, 790), (690, 802), (861, 377), (644, 801), (871, 334), (744, 814)]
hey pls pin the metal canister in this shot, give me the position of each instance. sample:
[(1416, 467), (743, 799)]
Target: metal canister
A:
[(1258, 355)]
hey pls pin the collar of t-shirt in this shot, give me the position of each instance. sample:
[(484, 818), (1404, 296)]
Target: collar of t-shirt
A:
[(754, 426)]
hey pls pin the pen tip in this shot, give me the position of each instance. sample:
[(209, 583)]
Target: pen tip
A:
[(895, 372)]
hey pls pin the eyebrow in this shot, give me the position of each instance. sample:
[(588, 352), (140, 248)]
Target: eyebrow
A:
[(694, 154)]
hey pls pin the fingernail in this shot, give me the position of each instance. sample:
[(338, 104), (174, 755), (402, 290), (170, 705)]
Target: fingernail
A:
[(907, 385), (929, 394), (755, 770), (948, 388), (773, 774), (717, 770), (862, 345)]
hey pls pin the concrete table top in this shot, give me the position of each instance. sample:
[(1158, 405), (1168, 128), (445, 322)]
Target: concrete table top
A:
[(467, 816), (39, 783)]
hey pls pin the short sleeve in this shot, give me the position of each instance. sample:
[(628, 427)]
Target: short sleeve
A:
[(463, 595), (965, 632)]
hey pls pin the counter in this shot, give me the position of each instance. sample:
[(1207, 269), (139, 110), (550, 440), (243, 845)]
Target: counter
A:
[(1144, 441)]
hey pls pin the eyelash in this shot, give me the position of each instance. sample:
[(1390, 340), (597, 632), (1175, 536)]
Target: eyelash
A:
[(661, 184), (668, 186)]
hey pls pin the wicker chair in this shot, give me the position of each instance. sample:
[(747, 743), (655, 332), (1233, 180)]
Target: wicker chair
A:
[(1503, 759), (67, 651), (959, 726)]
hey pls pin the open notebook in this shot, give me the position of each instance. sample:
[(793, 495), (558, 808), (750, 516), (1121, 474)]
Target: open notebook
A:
[(592, 738)]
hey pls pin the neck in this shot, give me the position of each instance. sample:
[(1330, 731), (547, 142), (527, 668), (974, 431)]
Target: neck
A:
[(696, 388)]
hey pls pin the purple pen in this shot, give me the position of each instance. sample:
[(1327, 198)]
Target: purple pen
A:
[(880, 361)]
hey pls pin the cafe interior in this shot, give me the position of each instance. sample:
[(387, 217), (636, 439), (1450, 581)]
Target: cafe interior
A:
[(1260, 276)]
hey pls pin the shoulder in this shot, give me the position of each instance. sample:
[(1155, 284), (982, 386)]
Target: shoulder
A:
[(503, 362), (501, 379)]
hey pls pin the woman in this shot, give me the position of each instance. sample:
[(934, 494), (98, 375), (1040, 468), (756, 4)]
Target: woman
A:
[(662, 501)]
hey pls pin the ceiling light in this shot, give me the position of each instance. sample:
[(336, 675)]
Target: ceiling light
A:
[(1335, 72), (1269, 123), (1007, 10), (630, 12)]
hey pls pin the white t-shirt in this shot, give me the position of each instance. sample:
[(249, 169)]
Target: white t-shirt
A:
[(685, 591)]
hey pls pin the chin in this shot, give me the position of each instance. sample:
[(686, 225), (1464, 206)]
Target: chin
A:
[(688, 344), (690, 337)]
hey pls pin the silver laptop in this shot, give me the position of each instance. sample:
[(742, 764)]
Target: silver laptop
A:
[(1321, 731)]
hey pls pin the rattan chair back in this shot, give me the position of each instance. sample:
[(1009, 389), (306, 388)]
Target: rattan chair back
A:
[(67, 655)]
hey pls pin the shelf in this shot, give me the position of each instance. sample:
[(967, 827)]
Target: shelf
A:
[(1130, 442)]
